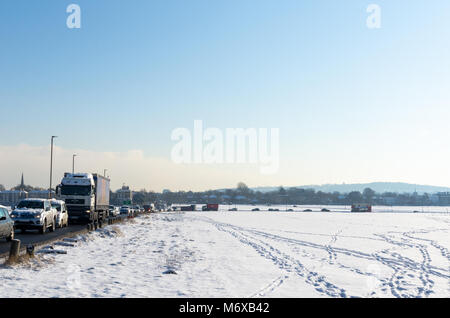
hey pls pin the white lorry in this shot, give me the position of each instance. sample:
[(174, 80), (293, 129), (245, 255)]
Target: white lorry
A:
[(86, 196)]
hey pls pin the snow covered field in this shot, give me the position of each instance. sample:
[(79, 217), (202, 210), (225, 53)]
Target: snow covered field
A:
[(248, 254)]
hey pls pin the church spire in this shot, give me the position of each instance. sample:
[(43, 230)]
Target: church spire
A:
[(22, 184)]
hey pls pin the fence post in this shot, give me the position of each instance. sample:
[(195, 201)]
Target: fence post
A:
[(14, 250)]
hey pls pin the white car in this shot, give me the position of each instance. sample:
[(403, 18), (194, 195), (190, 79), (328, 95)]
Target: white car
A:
[(34, 214), (62, 217), (113, 211)]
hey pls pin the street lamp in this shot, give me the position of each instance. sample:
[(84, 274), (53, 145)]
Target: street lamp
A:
[(73, 163), (51, 169)]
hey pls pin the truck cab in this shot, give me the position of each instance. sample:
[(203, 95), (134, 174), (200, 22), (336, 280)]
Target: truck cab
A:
[(86, 196)]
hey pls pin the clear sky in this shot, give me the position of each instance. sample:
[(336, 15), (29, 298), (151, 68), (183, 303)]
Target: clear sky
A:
[(353, 104)]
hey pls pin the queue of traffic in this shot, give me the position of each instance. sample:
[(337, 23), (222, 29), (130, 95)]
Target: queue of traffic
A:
[(47, 215), (81, 198)]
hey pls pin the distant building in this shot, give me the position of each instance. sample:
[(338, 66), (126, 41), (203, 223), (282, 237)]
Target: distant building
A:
[(444, 198), (124, 195), (22, 184), (389, 200), (12, 197), (40, 194), (434, 198)]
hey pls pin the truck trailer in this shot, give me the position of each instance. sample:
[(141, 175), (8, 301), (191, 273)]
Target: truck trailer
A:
[(86, 196), (210, 207), (361, 207)]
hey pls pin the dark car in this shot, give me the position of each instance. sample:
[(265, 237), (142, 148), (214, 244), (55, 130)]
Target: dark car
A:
[(6, 225), (325, 210)]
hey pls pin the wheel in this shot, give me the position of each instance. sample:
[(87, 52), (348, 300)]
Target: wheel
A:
[(53, 227), (43, 229), (11, 236)]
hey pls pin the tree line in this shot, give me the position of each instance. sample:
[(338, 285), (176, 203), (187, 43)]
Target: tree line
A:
[(242, 194)]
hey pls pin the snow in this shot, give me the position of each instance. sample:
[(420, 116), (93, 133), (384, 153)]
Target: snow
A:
[(247, 254)]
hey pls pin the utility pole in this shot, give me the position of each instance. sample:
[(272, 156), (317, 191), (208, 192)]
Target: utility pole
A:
[(73, 163), (51, 169)]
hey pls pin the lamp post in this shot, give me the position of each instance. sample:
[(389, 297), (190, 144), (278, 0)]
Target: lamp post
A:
[(51, 169), (73, 163)]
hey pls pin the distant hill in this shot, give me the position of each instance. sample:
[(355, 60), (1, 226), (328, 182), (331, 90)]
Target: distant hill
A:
[(378, 187)]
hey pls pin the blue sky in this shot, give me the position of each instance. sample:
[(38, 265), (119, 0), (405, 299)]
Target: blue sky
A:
[(337, 90)]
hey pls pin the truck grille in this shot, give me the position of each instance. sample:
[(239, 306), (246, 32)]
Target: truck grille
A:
[(74, 201)]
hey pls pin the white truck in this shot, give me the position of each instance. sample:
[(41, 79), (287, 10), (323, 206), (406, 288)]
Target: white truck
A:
[(86, 196)]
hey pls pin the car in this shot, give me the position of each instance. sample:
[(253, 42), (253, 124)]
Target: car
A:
[(62, 216), (125, 210), (290, 210), (307, 210), (6, 224), (113, 211), (136, 209), (232, 209), (255, 209), (149, 207), (34, 214), (325, 210)]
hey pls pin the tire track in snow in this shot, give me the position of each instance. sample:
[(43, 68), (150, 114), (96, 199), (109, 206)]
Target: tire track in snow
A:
[(401, 266), (271, 287), (284, 261), (399, 261), (444, 251), (399, 287)]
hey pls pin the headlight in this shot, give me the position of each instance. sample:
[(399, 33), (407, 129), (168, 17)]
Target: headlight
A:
[(37, 216)]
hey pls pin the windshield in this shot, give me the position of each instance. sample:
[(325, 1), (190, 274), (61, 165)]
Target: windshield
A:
[(75, 190), (57, 206), (31, 205)]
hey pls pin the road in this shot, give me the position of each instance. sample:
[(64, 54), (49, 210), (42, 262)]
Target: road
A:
[(33, 237)]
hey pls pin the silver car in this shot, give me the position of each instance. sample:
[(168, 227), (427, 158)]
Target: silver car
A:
[(6, 224), (125, 210)]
